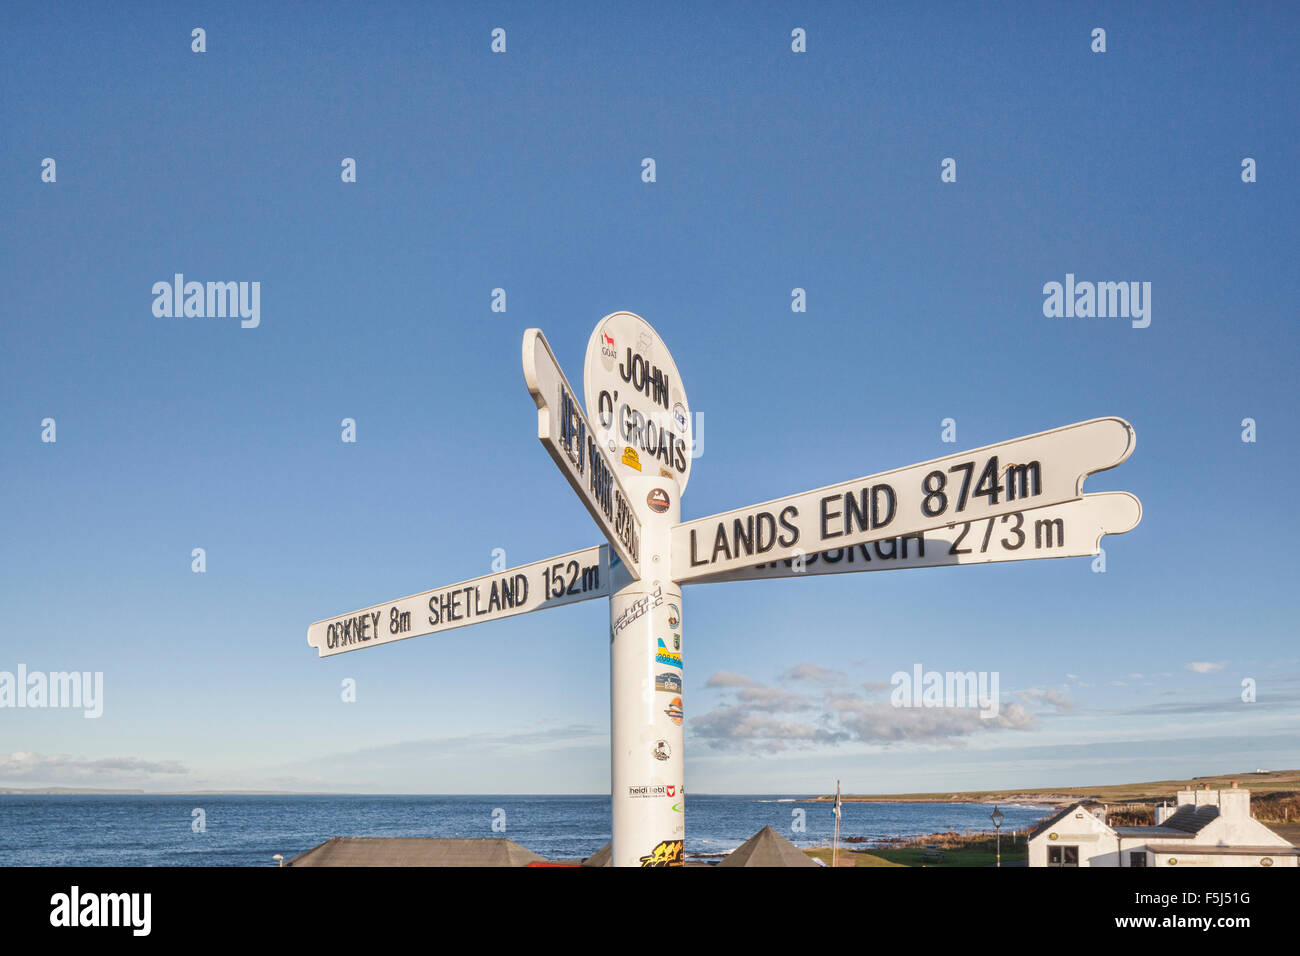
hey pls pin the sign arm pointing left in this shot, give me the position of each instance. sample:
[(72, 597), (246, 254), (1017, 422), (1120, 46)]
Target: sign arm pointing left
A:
[(567, 579)]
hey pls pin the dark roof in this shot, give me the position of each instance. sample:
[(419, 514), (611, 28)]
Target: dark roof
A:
[(767, 848), (1056, 818), (415, 851), (1190, 819), (601, 857), (1185, 822)]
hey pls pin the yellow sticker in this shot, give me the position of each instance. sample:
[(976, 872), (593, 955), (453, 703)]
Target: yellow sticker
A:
[(630, 458), (667, 853), (665, 473)]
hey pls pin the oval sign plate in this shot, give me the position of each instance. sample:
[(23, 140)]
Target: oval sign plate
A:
[(636, 402)]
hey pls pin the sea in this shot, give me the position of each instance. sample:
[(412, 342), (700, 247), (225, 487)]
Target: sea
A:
[(250, 830)]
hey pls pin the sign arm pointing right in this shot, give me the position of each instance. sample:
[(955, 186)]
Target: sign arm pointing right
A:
[(1070, 530), (1035, 471)]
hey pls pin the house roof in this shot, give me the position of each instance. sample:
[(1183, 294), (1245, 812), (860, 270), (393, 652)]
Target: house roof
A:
[(1056, 818), (1190, 819), (1161, 832), (415, 851), (767, 848), (602, 857), (1224, 850)]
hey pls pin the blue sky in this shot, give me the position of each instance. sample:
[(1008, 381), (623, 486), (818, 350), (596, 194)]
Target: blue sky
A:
[(522, 170)]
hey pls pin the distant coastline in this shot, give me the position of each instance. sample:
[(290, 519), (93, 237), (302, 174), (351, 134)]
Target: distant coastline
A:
[(1261, 782), (1273, 782), (98, 792)]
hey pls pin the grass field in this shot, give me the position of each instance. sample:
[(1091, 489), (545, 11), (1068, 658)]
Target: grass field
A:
[(1276, 781), (960, 852)]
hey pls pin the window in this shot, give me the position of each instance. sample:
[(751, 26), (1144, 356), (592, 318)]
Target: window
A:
[(1062, 856), (1137, 858)]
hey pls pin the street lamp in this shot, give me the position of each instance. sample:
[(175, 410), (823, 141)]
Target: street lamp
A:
[(996, 817)]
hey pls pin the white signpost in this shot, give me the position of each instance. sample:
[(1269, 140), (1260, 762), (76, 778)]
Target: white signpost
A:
[(1072, 530), (564, 430), (1035, 471), (636, 398), (579, 576), (1017, 500)]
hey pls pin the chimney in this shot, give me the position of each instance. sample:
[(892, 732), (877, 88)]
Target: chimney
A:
[(1235, 803)]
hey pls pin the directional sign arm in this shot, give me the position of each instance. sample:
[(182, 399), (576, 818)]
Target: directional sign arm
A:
[(567, 579), (563, 429), (1071, 530), (1032, 472)]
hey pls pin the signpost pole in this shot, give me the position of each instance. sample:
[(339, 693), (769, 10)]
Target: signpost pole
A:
[(645, 659)]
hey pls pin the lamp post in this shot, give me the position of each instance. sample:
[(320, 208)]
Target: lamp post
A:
[(835, 844), (996, 817)]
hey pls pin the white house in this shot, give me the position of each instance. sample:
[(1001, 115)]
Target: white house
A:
[(1076, 836), (1204, 828)]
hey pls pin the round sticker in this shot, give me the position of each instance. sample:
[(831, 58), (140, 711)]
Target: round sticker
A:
[(657, 500)]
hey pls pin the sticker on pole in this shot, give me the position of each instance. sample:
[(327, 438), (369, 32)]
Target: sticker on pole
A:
[(636, 401)]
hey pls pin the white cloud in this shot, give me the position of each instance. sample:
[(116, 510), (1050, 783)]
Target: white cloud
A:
[(1047, 695), (24, 768), (773, 699), (1206, 667), (811, 673), (772, 718), (727, 679)]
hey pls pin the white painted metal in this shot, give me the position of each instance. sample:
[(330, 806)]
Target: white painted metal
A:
[(567, 435), (1035, 471), (645, 658), (577, 576), (636, 399), (1071, 530)]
